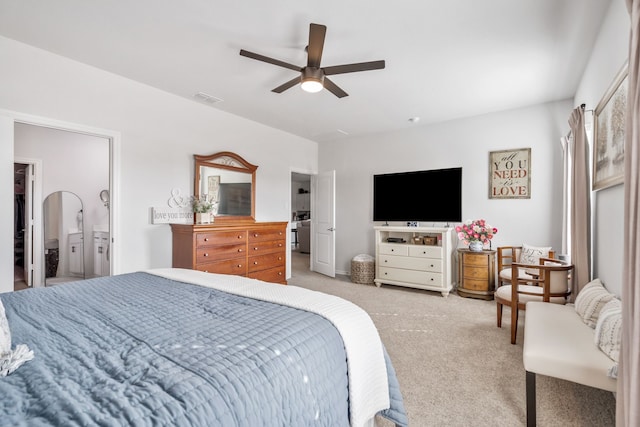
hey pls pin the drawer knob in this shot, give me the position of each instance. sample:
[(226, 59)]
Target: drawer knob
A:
[(279, 258), (431, 279), (255, 235), (280, 245), (206, 239), (385, 260), (206, 254), (240, 250), (279, 273), (255, 249), (239, 236), (431, 265), (393, 250), (385, 273), (239, 265), (255, 262)]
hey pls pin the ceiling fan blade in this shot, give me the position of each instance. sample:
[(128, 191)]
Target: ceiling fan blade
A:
[(316, 44), (352, 68), (334, 89), (269, 60), (291, 83)]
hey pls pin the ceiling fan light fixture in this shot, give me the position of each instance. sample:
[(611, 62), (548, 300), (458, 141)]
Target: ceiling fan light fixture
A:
[(312, 80)]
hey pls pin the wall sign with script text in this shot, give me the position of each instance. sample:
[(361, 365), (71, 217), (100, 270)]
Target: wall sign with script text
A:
[(510, 174)]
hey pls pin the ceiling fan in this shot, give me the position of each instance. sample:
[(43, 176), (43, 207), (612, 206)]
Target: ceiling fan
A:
[(313, 77)]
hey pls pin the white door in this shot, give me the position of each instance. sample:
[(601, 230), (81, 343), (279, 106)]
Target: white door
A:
[(323, 220), (28, 224)]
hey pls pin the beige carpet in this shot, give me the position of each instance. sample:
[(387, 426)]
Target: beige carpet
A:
[(455, 367)]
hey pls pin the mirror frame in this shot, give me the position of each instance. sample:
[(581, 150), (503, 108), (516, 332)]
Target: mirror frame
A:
[(228, 161)]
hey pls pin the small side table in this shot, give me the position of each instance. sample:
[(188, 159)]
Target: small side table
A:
[(476, 273)]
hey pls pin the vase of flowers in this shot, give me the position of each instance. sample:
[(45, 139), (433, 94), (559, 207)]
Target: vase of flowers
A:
[(202, 208), (476, 234)]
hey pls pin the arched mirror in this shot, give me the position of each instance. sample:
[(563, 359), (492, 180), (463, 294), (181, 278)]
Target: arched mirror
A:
[(63, 238), (230, 182)]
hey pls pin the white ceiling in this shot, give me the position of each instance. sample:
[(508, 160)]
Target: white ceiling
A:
[(444, 59)]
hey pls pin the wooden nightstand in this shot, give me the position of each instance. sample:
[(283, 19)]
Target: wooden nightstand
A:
[(476, 273)]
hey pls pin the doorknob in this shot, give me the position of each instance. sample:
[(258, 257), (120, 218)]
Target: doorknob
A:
[(331, 229)]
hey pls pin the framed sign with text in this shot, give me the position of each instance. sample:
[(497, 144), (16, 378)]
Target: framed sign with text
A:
[(510, 174)]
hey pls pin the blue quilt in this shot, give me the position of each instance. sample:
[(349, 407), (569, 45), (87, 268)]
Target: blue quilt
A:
[(142, 350)]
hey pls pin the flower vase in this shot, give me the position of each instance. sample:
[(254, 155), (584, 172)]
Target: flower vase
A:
[(204, 218), (475, 246)]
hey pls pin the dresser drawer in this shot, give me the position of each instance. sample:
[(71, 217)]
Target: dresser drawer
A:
[(265, 234), (476, 284), (475, 272), (213, 253), (479, 259), (275, 275), (263, 262), (411, 276), (220, 238), (259, 248), (409, 263), (391, 249), (229, 266), (425, 251)]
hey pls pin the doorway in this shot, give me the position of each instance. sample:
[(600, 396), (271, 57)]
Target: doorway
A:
[(75, 162), (300, 222)]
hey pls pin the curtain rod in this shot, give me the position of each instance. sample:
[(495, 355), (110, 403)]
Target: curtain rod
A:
[(586, 111)]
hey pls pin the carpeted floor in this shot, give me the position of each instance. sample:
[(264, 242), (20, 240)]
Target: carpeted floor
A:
[(455, 367)]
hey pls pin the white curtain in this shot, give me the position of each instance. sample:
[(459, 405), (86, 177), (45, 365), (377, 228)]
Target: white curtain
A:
[(628, 396), (579, 203), (567, 161)]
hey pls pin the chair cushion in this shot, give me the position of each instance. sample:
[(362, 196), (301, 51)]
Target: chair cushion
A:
[(505, 274), (504, 292), (609, 328), (590, 301), (531, 255)]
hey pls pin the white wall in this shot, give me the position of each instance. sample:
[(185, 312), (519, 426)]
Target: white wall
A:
[(610, 52), (71, 162), (159, 135), (466, 143)]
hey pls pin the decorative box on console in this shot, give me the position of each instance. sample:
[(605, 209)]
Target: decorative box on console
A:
[(430, 240)]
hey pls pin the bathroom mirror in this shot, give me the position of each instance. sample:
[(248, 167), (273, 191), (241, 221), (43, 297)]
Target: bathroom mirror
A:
[(230, 181), (63, 228)]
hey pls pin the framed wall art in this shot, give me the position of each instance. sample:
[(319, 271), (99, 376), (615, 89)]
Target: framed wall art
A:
[(510, 174), (609, 123)]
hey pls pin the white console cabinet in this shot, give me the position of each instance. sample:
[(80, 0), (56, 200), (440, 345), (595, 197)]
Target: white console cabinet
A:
[(408, 262)]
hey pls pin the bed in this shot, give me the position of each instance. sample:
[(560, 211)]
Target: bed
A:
[(179, 347)]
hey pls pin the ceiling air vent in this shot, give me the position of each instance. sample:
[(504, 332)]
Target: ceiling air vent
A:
[(207, 98)]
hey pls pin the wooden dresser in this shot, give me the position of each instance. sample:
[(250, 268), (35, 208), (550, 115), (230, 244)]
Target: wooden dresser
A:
[(476, 273), (256, 250)]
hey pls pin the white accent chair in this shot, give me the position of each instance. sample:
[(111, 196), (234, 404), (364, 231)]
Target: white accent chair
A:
[(550, 281)]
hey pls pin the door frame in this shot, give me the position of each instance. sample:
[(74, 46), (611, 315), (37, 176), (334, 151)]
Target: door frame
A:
[(291, 208), (36, 245), (114, 139)]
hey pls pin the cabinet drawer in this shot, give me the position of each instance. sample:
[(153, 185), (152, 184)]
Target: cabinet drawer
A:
[(230, 266), (391, 249), (425, 251), (411, 276), (263, 262), (476, 259), (261, 235), (212, 253), (274, 275), (220, 238), (259, 248), (475, 272), (475, 285), (409, 263)]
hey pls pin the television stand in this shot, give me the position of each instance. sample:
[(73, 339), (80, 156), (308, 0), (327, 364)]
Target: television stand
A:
[(414, 264)]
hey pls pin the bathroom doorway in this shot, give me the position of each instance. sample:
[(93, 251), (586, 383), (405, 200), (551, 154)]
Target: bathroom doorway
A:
[(69, 161)]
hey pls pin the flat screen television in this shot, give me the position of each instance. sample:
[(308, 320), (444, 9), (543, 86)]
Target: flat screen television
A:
[(430, 196)]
